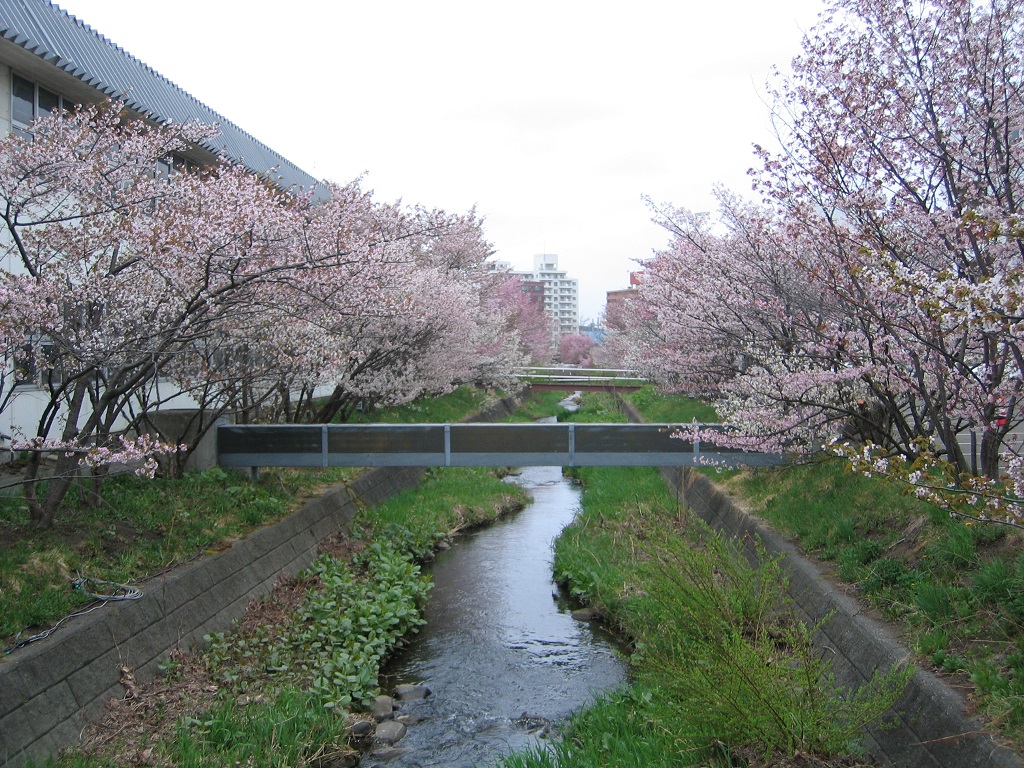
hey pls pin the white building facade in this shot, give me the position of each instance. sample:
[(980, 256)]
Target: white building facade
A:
[(561, 292)]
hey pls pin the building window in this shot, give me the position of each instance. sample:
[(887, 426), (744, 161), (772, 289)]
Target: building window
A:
[(29, 102)]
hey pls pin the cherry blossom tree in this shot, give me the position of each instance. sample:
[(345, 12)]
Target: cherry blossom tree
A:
[(83, 301), (126, 291), (118, 278), (409, 333), (523, 317), (876, 291), (574, 349)]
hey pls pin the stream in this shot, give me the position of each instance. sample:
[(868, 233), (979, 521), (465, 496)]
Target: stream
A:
[(500, 641)]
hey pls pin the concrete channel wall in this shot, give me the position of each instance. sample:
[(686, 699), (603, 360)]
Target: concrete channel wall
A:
[(50, 690), (931, 729)]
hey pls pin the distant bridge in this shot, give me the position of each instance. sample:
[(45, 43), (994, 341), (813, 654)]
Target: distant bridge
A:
[(472, 445), (582, 379)]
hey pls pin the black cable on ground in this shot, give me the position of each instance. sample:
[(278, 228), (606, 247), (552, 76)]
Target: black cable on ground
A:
[(120, 592)]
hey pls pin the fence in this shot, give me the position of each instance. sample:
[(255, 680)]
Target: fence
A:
[(471, 445)]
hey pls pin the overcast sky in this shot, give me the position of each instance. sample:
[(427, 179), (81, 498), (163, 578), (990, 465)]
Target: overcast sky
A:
[(553, 118)]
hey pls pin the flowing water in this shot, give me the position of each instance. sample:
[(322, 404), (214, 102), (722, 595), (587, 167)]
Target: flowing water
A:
[(500, 641)]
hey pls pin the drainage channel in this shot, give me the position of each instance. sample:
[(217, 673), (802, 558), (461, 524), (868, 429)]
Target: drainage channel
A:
[(503, 658)]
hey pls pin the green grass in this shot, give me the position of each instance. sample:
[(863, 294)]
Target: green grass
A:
[(449, 500), (292, 730), (721, 661), (627, 729), (451, 407), (142, 527), (953, 589), (540, 404), (835, 508), (672, 408)]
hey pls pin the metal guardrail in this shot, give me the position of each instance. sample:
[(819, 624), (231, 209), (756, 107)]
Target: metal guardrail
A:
[(471, 445), (561, 377)]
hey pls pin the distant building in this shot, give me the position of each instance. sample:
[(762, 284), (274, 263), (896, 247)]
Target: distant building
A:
[(561, 292), (615, 304)]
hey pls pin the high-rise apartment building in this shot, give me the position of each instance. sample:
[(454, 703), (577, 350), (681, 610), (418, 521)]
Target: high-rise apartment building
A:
[(561, 292)]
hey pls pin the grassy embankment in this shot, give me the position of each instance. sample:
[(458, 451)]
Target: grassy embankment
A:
[(955, 591), (723, 670), (142, 527), (279, 689), (952, 588)]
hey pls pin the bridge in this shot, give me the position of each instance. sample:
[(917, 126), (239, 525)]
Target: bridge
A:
[(472, 445), (583, 379)]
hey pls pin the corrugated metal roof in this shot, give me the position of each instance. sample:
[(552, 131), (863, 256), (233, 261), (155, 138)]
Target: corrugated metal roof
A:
[(61, 39)]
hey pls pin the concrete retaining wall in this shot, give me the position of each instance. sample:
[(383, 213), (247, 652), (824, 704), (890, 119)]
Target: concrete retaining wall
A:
[(931, 729), (50, 690)]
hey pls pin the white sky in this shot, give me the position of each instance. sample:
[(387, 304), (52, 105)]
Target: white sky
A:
[(553, 117)]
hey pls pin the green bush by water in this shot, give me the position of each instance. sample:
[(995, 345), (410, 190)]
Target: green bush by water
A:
[(717, 648)]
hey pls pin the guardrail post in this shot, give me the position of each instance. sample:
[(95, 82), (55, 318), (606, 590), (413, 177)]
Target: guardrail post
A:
[(572, 444), (323, 446), (447, 445)]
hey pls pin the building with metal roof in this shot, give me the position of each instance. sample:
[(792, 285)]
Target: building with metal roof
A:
[(49, 58)]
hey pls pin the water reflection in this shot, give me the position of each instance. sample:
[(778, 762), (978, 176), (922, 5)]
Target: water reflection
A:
[(500, 641)]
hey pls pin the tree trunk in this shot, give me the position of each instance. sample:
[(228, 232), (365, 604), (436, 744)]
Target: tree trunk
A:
[(990, 445), (43, 513)]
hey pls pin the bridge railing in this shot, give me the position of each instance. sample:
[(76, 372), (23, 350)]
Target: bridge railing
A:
[(585, 376), (470, 445)]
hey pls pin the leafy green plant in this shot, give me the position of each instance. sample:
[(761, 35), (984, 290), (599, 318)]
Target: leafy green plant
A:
[(345, 629)]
